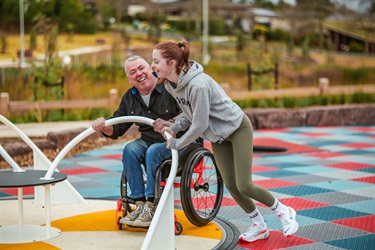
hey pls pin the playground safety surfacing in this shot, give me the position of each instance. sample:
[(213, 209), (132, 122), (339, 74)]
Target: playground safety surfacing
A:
[(327, 174)]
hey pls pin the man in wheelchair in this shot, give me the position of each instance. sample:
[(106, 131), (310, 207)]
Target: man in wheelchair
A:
[(148, 99)]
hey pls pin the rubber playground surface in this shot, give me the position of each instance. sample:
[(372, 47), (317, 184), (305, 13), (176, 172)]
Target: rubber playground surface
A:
[(327, 174)]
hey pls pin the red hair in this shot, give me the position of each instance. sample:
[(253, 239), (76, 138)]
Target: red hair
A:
[(178, 51)]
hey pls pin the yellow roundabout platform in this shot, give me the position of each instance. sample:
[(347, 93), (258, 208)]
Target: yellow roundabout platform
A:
[(93, 226)]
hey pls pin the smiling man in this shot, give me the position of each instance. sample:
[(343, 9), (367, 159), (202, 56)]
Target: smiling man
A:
[(147, 99)]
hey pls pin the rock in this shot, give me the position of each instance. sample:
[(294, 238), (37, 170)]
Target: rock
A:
[(340, 115)]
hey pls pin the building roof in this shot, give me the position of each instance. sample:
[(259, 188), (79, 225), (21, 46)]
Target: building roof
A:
[(351, 29)]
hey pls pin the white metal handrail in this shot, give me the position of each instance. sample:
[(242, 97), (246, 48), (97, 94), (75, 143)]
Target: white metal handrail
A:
[(62, 192)]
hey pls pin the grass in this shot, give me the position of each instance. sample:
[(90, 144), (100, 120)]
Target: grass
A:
[(79, 40)]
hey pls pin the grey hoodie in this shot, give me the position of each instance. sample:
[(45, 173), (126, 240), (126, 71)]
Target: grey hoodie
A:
[(207, 109)]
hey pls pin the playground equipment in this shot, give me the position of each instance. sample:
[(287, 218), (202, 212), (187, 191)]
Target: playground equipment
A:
[(160, 234)]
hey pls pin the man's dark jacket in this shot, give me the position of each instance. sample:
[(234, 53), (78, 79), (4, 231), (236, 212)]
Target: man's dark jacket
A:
[(162, 105)]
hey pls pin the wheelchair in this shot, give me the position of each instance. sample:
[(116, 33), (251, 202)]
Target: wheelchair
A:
[(199, 181)]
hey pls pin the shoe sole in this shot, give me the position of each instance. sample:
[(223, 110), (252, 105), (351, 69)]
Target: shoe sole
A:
[(259, 237), (294, 215), (128, 223), (141, 224)]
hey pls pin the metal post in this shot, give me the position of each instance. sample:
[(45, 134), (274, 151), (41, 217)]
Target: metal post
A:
[(22, 52), (249, 80), (205, 6), (276, 75)]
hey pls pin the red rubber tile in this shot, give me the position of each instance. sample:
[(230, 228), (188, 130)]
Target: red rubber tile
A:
[(370, 179), (324, 155), (113, 157), (275, 240), (275, 183), (349, 165), (365, 223), (257, 169), (14, 191), (358, 145), (87, 170)]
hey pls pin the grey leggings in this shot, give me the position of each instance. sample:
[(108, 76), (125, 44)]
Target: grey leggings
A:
[(234, 159)]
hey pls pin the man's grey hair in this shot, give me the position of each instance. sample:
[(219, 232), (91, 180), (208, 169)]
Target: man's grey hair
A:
[(132, 58)]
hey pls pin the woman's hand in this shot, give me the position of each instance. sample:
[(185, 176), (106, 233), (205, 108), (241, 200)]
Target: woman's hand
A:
[(159, 124), (169, 131), (99, 125)]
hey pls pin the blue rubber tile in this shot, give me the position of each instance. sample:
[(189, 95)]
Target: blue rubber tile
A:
[(314, 246), (111, 181), (367, 170), (311, 169), (100, 192), (290, 158), (101, 175), (100, 152), (327, 231), (340, 185), (285, 164), (300, 190), (320, 144), (278, 173), (367, 206), (366, 192), (357, 158), (365, 242), (335, 198), (274, 223), (344, 174), (330, 213), (5, 195), (321, 162), (115, 168), (359, 152), (81, 157), (305, 178), (334, 148)]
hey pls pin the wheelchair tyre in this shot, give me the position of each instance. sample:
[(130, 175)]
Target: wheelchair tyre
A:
[(127, 208), (201, 187), (118, 223)]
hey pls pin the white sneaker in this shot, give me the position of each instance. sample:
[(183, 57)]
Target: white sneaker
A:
[(289, 223), (254, 233)]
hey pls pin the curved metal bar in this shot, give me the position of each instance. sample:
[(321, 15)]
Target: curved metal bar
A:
[(88, 132), (26, 139), (11, 162)]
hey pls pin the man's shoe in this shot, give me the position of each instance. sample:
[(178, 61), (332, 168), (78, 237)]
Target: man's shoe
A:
[(145, 218), (254, 233), (130, 218), (288, 221)]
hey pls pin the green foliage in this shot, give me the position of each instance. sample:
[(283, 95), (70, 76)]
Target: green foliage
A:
[(60, 115), (3, 43), (358, 75), (302, 102), (356, 47)]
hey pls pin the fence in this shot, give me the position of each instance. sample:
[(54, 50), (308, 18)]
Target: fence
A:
[(7, 106)]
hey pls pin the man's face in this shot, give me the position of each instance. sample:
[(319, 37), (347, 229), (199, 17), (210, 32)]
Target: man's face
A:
[(140, 76)]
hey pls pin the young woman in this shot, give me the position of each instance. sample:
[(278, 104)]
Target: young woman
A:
[(208, 112)]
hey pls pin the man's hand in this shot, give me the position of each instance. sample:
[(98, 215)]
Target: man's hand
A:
[(99, 125), (159, 124)]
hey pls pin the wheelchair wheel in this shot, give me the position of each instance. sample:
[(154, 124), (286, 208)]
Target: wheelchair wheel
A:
[(201, 187), (127, 203)]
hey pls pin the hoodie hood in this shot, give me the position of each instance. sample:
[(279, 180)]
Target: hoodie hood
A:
[(185, 78)]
